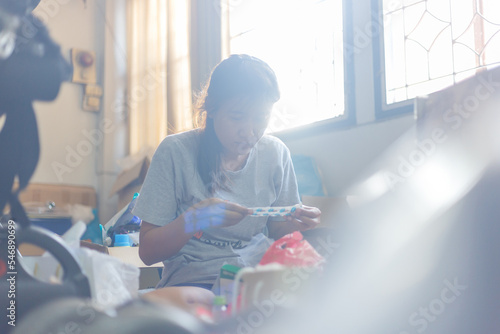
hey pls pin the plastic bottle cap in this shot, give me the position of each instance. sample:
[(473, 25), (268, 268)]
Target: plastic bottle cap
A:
[(220, 300), (122, 240)]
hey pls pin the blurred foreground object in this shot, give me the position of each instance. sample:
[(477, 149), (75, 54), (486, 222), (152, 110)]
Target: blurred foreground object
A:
[(421, 253), (31, 68)]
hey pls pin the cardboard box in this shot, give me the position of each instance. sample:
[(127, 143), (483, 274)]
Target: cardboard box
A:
[(129, 181), (130, 255), (150, 275)]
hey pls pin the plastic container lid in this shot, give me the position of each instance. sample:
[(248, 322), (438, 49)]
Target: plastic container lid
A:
[(122, 240)]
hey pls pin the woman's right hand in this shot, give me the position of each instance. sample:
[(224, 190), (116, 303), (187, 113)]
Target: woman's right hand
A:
[(214, 212)]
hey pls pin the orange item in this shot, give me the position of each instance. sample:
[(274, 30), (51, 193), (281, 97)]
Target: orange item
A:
[(291, 250)]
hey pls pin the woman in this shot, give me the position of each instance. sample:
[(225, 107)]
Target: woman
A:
[(195, 200)]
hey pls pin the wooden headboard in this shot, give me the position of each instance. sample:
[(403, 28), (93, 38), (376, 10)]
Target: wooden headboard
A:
[(59, 194)]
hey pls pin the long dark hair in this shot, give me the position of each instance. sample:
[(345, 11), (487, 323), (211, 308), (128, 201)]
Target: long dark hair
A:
[(238, 76)]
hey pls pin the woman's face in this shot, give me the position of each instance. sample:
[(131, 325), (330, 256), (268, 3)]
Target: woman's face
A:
[(239, 125)]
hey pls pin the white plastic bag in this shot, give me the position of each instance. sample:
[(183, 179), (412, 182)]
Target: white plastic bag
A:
[(112, 281), (253, 252), (80, 212)]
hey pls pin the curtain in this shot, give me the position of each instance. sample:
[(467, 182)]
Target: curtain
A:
[(159, 93), (206, 35)]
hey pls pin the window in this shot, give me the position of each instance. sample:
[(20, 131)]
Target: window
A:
[(428, 45), (302, 40)]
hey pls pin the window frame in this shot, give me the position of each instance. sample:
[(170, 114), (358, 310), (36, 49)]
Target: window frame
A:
[(382, 109)]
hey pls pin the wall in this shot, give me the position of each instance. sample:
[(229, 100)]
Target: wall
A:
[(114, 143), (343, 155), (80, 147), (66, 157)]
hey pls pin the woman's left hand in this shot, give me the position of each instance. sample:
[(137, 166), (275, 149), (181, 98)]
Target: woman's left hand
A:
[(305, 217)]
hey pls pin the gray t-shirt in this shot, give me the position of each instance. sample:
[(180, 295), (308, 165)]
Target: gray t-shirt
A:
[(173, 184)]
